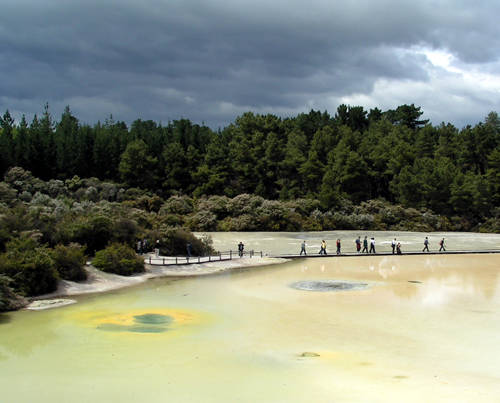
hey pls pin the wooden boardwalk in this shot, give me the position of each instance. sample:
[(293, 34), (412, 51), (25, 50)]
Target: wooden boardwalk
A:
[(385, 253), (230, 255), (185, 260)]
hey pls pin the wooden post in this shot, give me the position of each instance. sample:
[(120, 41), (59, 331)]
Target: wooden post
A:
[(209, 258), (176, 260), (220, 256), (187, 259), (260, 253), (198, 259), (163, 261), (150, 260), (230, 255)]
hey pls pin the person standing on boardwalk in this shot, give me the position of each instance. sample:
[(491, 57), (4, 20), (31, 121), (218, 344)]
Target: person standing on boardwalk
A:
[(441, 244), (322, 251), (338, 246), (426, 245), (372, 245), (303, 248), (241, 247), (358, 244), (188, 248), (365, 246), (393, 245), (398, 249)]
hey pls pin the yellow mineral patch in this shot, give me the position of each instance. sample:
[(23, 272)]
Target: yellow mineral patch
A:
[(151, 321)]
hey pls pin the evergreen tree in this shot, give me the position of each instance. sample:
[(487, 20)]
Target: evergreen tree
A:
[(66, 144), (295, 156), (6, 142), (137, 168)]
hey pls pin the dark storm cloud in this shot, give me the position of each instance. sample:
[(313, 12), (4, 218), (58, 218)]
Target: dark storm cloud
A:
[(209, 60)]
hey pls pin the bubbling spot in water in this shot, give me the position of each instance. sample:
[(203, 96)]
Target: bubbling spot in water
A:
[(145, 323), (328, 285)]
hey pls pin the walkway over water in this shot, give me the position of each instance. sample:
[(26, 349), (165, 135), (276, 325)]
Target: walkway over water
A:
[(230, 255), (385, 253), (184, 260)]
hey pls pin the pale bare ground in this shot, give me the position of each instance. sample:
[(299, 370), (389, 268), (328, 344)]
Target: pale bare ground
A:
[(99, 281)]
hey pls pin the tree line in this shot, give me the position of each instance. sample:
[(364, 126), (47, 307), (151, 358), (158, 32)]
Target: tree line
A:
[(355, 155)]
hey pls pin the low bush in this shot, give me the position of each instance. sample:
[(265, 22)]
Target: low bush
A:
[(9, 300), (70, 261), (177, 205), (30, 266), (174, 242), (119, 259)]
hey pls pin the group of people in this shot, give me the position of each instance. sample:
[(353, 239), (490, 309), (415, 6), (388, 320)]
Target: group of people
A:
[(365, 245), (395, 245), (142, 246), (426, 245)]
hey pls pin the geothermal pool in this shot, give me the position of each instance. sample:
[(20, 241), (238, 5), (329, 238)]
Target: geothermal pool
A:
[(411, 328)]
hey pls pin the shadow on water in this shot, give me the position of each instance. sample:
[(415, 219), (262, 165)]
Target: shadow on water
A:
[(4, 318)]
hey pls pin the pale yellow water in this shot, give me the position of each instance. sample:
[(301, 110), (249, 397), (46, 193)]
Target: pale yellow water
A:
[(240, 337)]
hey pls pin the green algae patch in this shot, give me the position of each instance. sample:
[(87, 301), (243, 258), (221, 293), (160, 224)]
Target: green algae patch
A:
[(145, 323), (153, 319)]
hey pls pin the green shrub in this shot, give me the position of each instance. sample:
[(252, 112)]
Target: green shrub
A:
[(125, 231), (244, 222), (94, 232), (202, 221), (9, 301), (7, 194), (30, 267), (69, 262), (174, 242), (119, 259), (177, 205)]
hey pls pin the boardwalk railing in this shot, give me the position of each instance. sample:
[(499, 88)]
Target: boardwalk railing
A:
[(183, 260)]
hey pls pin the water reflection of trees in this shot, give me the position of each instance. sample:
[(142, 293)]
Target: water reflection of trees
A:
[(4, 318)]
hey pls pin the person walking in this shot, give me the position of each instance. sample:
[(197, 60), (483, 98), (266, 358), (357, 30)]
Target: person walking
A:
[(393, 245), (338, 246), (241, 248), (441, 245), (365, 245), (303, 248), (188, 249), (426, 245), (358, 244), (322, 251), (372, 245)]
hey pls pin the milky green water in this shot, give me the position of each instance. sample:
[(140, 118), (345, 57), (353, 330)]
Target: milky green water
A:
[(425, 329)]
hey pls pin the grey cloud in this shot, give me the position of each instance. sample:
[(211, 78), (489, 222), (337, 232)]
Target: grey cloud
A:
[(278, 55)]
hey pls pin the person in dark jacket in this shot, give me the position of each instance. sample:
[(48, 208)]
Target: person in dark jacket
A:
[(426, 245), (241, 248), (441, 245)]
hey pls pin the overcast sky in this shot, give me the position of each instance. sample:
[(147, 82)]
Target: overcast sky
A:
[(212, 60)]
